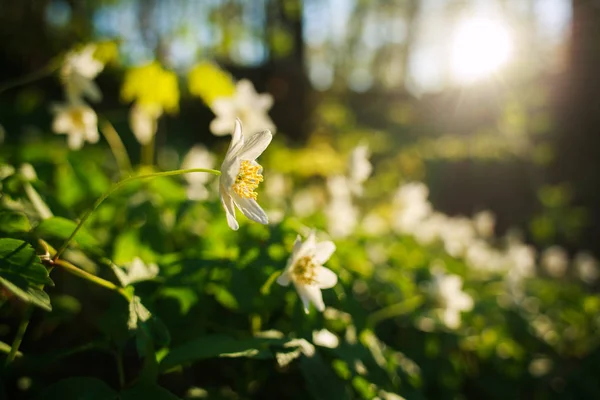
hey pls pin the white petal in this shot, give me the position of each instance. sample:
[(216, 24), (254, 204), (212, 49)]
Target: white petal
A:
[(92, 134), (264, 101), (92, 91), (62, 123), (75, 140), (229, 172), (283, 279), (311, 294), (245, 92), (297, 245), (227, 202), (251, 209), (220, 126), (237, 141), (323, 251), (254, 146), (223, 107), (308, 247), (326, 278)]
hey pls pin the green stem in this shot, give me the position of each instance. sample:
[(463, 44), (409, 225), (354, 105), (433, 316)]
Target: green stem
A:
[(148, 153), (395, 310), (67, 266), (117, 147), (116, 187), (266, 287), (120, 371), (14, 349), (41, 73)]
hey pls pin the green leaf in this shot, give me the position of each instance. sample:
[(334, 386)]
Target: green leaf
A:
[(320, 379), (79, 388), (61, 228), (146, 390), (219, 346), (21, 272), (14, 222)]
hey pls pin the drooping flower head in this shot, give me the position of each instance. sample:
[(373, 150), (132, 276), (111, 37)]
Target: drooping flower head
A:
[(241, 175), (306, 271), (78, 121), (78, 73), (246, 105)]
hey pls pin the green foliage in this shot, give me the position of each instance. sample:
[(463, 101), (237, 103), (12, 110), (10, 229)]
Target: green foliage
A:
[(22, 273), (156, 295)]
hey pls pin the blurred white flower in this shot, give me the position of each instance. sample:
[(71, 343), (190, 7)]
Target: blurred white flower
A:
[(78, 121), (198, 157), (28, 172), (483, 257), (484, 222), (520, 259), (306, 271), (446, 289), (143, 120), (241, 175), (374, 224), (342, 215), (359, 168), (586, 267), (540, 366), (305, 202), (77, 74), (136, 271), (410, 207), (246, 105), (429, 229), (457, 235), (325, 338), (555, 261), (276, 188)]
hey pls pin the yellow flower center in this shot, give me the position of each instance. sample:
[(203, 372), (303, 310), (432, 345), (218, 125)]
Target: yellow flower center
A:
[(76, 115), (305, 271), (247, 180)]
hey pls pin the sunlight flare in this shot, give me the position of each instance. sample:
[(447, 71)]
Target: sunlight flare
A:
[(479, 47)]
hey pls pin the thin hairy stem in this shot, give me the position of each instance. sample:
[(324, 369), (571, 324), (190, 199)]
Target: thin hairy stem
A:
[(67, 266), (116, 187)]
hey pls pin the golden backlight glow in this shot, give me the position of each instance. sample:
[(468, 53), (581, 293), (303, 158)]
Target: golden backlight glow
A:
[(480, 47)]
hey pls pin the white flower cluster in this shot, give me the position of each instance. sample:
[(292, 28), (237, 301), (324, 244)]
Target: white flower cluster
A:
[(473, 241), (75, 118)]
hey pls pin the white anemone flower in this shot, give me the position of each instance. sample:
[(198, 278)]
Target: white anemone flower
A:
[(241, 175), (306, 271), (78, 121), (78, 72), (245, 104)]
